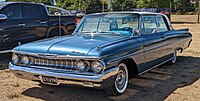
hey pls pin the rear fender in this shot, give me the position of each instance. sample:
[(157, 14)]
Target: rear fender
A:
[(183, 29)]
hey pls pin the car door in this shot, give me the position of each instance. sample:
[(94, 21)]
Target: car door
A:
[(12, 27), (154, 42), (36, 22), (166, 33)]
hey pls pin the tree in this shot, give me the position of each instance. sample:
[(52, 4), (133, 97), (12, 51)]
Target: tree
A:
[(123, 4), (79, 4), (64, 3), (177, 5), (153, 3), (183, 6), (74, 4)]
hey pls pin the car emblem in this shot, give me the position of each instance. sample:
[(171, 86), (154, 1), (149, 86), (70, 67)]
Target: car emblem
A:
[(47, 55), (74, 52)]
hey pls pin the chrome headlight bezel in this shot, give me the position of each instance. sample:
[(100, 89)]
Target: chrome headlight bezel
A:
[(15, 59), (25, 60), (97, 67), (81, 65)]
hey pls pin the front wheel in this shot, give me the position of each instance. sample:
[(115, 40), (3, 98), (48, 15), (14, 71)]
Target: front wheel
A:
[(121, 82)]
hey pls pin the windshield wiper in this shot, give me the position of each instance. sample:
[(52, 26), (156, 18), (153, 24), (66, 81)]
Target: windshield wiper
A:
[(110, 32), (103, 33), (89, 32)]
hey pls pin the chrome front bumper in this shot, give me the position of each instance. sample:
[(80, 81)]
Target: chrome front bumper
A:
[(100, 81)]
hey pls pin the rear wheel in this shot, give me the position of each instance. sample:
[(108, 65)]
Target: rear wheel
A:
[(174, 58), (121, 82)]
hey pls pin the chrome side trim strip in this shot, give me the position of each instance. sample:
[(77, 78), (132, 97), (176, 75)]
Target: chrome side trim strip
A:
[(126, 56), (154, 66)]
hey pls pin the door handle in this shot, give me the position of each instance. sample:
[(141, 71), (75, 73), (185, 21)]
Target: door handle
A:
[(3, 36), (21, 24), (6, 39), (43, 22)]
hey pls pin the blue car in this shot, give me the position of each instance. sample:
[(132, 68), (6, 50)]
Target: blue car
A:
[(105, 51)]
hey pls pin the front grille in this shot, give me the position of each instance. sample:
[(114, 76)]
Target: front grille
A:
[(53, 63)]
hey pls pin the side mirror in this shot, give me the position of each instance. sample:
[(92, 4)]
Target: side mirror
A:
[(135, 31), (3, 17)]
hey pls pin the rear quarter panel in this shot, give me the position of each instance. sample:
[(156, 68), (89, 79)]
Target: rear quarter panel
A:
[(177, 39)]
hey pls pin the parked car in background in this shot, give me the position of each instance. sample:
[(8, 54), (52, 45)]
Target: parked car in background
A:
[(105, 51), (53, 10), (24, 22)]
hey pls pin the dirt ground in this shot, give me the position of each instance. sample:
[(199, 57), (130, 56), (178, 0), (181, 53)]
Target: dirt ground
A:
[(178, 82)]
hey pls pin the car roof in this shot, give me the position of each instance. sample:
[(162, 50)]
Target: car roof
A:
[(6, 3), (129, 12), (3, 4)]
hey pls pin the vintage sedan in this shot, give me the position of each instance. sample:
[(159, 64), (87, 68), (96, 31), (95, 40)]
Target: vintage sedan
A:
[(105, 51)]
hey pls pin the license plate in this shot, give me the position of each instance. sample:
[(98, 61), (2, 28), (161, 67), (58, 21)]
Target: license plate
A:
[(49, 80)]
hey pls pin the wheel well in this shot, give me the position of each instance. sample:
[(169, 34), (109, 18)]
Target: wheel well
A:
[(55, 32), (180, 49), (70, 28), (132, 67)]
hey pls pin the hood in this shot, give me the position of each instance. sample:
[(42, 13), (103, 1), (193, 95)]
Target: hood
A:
[(73, 45)]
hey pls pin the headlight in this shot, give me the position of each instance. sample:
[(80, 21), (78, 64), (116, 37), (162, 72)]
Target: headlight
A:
[(97, 67), (25, 60), (15, 59), (80, 65)]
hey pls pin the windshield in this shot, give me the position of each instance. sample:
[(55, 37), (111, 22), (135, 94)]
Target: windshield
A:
[(2, 4), (110, 24)]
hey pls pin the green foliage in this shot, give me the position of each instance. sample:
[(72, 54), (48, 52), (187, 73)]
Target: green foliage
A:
[(123, 4), (79, 4), (74, 4), (184, 5), (153, 3), (67, 4), (177, 5), (64, 3)]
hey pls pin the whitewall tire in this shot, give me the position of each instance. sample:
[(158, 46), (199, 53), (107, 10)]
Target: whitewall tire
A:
[(121, 82)]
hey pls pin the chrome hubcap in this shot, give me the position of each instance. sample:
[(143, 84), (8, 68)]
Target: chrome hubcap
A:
[(121, 79)]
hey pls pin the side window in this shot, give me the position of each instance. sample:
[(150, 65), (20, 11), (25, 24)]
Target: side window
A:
[(161, 24), (150, 25), (12, 12), (31, 11), (53, 11), (130, 22)]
